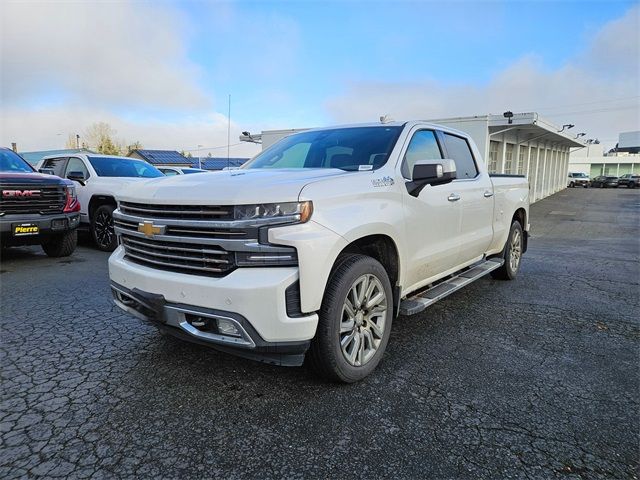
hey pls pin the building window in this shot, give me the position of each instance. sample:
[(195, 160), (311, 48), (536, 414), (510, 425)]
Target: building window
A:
[(493, 156), (508, 158), (521, 157)]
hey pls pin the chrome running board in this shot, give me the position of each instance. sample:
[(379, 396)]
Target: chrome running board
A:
[(420, 301)]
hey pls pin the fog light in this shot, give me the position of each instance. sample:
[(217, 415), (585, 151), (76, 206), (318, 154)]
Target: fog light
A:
[(58, 223), (225, 327)]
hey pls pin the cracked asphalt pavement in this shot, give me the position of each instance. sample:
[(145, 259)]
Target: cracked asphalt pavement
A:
[(535, 378)]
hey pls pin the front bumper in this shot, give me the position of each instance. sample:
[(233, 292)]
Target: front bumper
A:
[(47, 225), (252, 298)]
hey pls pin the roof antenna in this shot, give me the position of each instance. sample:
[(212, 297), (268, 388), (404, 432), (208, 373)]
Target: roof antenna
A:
[(386, 118)]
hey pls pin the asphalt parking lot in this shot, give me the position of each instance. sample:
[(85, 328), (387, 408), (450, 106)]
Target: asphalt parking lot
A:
[(537, 378)]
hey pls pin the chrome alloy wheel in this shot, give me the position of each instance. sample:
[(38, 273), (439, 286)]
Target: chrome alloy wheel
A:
[(103, 227), (516, 250), (363, 320)]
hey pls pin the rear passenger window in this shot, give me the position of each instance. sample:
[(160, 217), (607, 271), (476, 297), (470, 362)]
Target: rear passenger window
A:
[(459, 151), (55, 164), (423, 146)]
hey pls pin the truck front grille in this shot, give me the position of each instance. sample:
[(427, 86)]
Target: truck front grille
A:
[(197, 240), (188, 258), (45, 199)]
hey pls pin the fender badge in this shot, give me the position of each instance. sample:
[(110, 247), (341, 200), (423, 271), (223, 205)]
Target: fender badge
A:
[(382, 182)]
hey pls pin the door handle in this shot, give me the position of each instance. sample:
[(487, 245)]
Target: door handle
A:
[(454, 197), (488, 194)]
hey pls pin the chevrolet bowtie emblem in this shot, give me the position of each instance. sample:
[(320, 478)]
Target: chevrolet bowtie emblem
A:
[(149, 229)]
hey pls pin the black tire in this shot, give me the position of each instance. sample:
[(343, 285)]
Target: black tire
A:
[(507, 271), (102, 228), (325, 355), (631, 185), (61, 245), (571, 185)]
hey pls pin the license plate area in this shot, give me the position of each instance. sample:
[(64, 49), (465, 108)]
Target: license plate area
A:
[(25, 229)]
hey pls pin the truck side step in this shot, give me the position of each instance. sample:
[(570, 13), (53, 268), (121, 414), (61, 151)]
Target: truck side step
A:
[(422, 300)]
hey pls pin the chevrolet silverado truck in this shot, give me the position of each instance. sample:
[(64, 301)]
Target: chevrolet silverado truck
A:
[(36, 209), (98, 178), (317, 244)]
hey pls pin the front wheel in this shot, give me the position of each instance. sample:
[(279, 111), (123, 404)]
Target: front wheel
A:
[(354, 320), (512, 254), (102, 228), (61, 245), (571, 185)]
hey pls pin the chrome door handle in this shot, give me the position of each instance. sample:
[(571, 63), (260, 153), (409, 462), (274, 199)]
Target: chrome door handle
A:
[(488, 194), (454, 197)]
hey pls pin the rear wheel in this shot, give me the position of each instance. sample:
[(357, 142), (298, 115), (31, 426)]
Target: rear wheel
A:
[(102, 228), (354, 320), (61, 245), (512, 254)]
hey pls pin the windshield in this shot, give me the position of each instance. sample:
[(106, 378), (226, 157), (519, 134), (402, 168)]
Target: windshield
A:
[(357, 148), (580, 175), (12, 162), (123, 167)]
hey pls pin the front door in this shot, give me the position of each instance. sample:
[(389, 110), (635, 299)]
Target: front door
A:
[(432, 218)]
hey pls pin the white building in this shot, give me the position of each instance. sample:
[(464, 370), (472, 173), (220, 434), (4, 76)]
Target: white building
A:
[(523, 144), (592, 160)]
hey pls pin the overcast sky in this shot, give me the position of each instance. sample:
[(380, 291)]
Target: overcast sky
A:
[(160, 72)]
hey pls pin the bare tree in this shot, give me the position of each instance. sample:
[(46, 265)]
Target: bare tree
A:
[(100, 136)]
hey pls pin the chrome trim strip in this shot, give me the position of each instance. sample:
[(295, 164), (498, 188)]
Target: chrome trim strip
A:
[(176, 257), (117, 214), (178, 249), (174, 265), (231, 245)]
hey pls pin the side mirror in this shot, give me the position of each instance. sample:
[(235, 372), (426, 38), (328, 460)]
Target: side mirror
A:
[(46, 171), (77, 177), (431, 172)]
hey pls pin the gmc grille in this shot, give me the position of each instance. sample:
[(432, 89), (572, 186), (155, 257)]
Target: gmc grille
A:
[(50, 199)]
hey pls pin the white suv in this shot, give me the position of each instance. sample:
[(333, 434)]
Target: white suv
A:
[(98, 178)]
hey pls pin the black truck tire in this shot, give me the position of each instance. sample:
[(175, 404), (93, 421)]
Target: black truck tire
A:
[(512, 254), (102, 228), (366, 332), (61, 245)]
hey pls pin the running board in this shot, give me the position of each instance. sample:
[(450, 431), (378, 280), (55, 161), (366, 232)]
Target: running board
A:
[(422, 300)]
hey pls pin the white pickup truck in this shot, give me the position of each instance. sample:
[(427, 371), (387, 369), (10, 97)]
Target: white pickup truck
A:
[(98, 178), (318, 243)]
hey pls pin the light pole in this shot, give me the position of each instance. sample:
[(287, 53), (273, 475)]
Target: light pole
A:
[(199, 158)]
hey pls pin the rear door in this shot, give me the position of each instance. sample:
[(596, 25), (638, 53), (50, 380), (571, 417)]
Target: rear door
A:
[(475, 192), (432, 220)]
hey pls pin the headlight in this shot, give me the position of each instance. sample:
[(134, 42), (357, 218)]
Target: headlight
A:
[(294, 211)]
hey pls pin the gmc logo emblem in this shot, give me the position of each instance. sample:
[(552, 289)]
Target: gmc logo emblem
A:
[(20, 193)]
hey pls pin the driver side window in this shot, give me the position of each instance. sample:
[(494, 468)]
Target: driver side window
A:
[(423, 146), (76, 165)]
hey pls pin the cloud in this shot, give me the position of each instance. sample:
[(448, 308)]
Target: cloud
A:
[(48, 128), (108, 54), (598, 90)]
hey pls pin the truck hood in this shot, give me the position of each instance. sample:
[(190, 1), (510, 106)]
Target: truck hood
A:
[(231, 187), (15, 178)]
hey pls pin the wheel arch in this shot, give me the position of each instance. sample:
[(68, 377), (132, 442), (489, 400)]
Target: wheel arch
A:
[(98, 200), (382, 248)]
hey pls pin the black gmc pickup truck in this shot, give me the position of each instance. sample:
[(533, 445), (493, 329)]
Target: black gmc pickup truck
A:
[(36, 209)]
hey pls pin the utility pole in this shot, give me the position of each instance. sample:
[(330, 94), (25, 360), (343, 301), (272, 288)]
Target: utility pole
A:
[(77, 141), (229, 131), (14, 147)]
